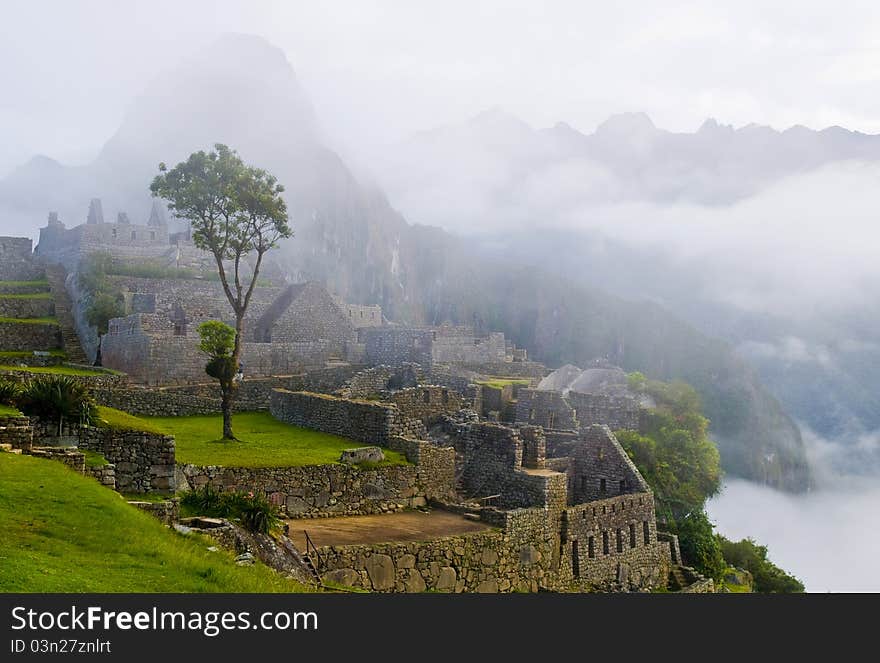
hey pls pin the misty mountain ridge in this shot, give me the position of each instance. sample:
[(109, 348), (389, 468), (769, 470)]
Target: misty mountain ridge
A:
[(242, 91), (626, 159)]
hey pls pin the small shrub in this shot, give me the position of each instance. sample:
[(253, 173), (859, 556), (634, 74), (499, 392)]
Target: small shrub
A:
[(57, 397), (253, 512), (9, 392)]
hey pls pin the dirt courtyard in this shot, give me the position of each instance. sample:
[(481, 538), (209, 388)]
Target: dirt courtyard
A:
[(384, 528)]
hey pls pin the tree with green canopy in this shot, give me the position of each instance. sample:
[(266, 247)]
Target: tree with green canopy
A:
[(237, 214)]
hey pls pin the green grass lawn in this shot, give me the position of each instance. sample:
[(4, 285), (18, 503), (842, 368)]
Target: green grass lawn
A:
[(31, 321), (15, 354), (500, 383), (26, 295), (62, 532), (265, 442), (12, 285), (109, 417), (59, 370), (6, 410)]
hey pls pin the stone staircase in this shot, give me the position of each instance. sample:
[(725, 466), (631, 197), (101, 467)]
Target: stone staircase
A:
[(57, 277)]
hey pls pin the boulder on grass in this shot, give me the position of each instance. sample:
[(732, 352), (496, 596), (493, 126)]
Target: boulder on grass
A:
[(362, 455)]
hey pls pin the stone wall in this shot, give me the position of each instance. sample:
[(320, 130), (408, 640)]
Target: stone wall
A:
[(17, 431), (493, 465), (16, 260), (104, 475), (368, 422), (97, 380), (468, 348), (617, 411), (74, 459), (144, 462), (548, 409), (147, 347), (307, 313), (600, 468), (167, 511), (393, 346), (612, 544), (185, 400), (512, 369), (17, 336), (516, 555), (316, 490), (26, 307), (427, 403), (435, 467)]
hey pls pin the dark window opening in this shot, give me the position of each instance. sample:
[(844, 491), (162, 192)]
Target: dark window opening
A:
[(114, 233), (591, 547), (619, 541), (152, 234), (622, 486), (583, 483), (551, 419), (179, 328), (575, 560), (604, 543), (134, 234), (602, 486), (583, 515), (646, 529), (445, 397), (632, 535), (427, 396)]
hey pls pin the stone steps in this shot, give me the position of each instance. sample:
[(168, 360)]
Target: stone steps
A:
[(7, 448), (57, 276)]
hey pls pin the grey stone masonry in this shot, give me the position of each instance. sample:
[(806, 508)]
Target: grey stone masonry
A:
[(368, 422), (144, 462)]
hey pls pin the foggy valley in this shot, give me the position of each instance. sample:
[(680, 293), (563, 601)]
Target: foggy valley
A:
[(480, 174)]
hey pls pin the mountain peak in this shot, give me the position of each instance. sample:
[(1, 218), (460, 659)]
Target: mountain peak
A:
[(623, 124)]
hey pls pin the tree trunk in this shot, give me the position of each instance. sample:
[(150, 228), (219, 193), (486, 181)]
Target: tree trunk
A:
[(229, 388), (98, 353), (226, 388)]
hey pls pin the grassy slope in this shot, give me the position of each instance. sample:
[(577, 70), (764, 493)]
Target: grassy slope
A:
[(58, 370), (265, 442), (62, 532), (31, 321), (27, 295), (6, 410)]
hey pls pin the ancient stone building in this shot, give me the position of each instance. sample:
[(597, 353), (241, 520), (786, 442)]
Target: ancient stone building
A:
[(294, 329), (446, 344)]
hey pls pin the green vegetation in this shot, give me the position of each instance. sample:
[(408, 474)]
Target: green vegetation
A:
[(26, 295), (501, 382), (8, 411), (766, 576), (681, 464), (31, 321), (23, 284), (263, 442), (56, 398), (218, 342), (672, 450), (62, 532), (108, 417), (26, 354), (94, 459), (254, 512), (9, 392), (236, 213), (60, 370)]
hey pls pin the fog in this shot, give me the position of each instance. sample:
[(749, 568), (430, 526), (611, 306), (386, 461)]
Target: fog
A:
[(381, 70), (778, 254), (826, 539)]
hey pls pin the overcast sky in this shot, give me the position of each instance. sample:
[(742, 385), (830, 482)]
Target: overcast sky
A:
[(377, 71)]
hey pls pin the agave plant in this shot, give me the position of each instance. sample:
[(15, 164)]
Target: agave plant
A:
[(9, 392), (58, 398)]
